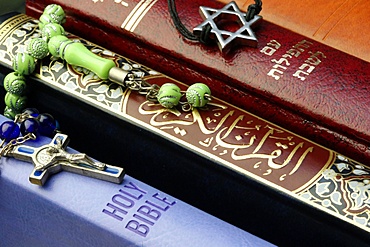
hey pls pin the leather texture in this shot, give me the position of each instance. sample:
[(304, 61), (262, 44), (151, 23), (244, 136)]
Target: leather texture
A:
[(339, 24), (330, 106), (68, 211)]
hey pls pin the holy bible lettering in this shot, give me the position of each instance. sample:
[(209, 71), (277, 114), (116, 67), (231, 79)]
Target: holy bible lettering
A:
[(139, 209)]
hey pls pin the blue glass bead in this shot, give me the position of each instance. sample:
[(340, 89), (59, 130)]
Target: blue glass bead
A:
[(31, 111), (9, 130), (30, 125), (47, 125), (57, 125)]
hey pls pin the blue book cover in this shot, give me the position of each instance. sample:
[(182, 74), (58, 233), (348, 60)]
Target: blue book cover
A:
[(74, 210)]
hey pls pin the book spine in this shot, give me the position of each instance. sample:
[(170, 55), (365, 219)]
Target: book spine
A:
[(307, 87)]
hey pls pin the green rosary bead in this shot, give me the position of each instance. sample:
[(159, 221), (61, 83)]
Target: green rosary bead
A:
[(52, 15), (56, 13), (14, 101), (15, 83), (38, 48), (10, 113), (44, 20), (50, 30), (24, 64), (198, 95), (169, 95)]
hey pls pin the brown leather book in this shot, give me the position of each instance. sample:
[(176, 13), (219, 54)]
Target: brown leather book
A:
[(340, 24)]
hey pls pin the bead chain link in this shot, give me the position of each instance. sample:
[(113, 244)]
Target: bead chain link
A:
[(15, 142)]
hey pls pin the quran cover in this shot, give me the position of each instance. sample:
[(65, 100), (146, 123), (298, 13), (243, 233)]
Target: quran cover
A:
[(301, 84), (338, 24), (222, 159), (73, 210)]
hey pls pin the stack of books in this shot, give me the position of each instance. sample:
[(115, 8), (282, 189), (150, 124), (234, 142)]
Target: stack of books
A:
[(240, 160)]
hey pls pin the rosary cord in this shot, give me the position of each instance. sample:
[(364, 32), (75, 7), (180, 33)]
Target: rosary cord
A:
[(253, 9)]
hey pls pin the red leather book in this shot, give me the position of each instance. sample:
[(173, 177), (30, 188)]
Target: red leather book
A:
[(305, 86)]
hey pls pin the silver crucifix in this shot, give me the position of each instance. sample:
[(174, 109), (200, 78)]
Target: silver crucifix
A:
[(52, 158)]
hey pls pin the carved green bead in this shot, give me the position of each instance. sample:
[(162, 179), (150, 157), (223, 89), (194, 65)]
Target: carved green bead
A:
[(24, 63), (198, 94), (15, 83), (51, 30), (56, 13), (10, 113), (16, 102), (44, 20), (169, 95), (52, 14), (38, 48)]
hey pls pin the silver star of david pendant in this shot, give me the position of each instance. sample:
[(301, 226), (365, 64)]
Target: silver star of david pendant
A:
[(226, 39)]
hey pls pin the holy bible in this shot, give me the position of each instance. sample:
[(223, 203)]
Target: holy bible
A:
[(305, 86), (222, 159), (73, 210)]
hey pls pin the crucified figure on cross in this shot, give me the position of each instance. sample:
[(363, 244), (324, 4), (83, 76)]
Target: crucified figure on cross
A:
[(56, 153), (53, 157)]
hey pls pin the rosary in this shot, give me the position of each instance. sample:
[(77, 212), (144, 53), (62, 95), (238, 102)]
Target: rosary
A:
[(28, 124), (52, 157)]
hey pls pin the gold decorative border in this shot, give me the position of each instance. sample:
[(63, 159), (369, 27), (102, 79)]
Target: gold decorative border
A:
[(11, 24), (137, 14)]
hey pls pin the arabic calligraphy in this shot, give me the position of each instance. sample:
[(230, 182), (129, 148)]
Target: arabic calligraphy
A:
[(237, 136)]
